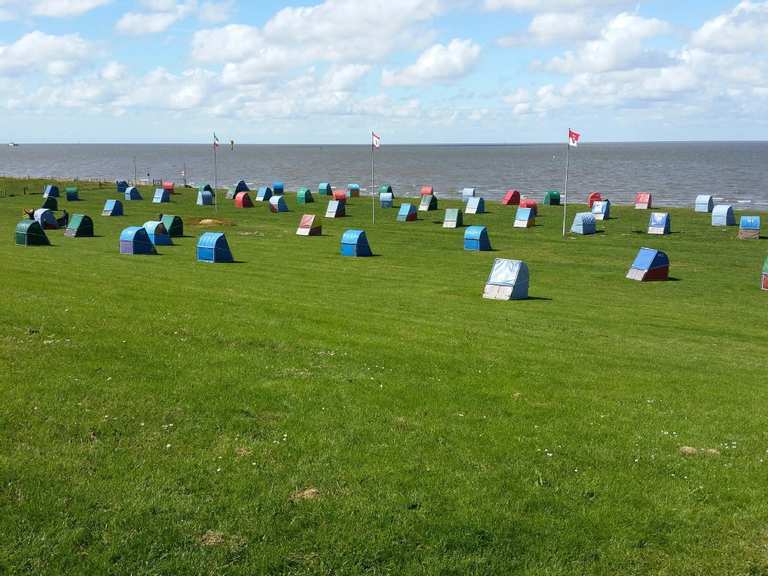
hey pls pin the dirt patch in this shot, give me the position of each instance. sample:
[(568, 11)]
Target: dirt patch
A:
[(305, 494), (242, 452), (688, 451), (212, 538), (209, 222), (691, 451)]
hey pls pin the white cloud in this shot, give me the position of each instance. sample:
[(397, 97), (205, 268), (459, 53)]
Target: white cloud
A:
[(551, 5), (37, 51), (439, 63), (743, 29), (65, 8), (555, 28), (215, 12), (163, 15)]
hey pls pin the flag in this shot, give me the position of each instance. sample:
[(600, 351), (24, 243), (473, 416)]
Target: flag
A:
[(573, 138), (376, 140), (215, 141)]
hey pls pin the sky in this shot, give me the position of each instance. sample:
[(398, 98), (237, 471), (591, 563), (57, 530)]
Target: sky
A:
[(416, 71)]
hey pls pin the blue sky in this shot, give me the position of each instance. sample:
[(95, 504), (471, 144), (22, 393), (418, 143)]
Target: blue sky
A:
[(414, 70)]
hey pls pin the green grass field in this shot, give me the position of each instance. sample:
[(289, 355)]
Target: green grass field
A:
[(303, 413)]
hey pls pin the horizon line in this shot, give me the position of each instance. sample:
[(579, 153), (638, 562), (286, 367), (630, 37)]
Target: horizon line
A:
[(225, 144)]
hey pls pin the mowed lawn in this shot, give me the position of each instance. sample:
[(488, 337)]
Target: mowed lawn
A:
[(299, 412)]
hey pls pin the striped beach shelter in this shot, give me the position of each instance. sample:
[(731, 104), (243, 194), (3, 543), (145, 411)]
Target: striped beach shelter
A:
[(660, 224), (162, 196), (112, 208), (79, 226), (583, 224), (428, 203), (453, 218), (336, 209), (278, 204), (309, 226), (387, 200), (524, 218), (722, 215), (30, 233), (135, 240), (749, 228), (704, 203), (601, 210), (213, 247), (407, 213), (643, 201), (264, 194), (508, 280), (475, 205)]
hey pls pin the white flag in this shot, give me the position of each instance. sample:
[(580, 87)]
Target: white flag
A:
[(376, 140)]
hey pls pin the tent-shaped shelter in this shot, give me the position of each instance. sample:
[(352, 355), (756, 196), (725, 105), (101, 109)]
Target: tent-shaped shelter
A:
[(264, 194), (169, 187), (340, 195), (174, 225), (278, 204), (467, 193), (427, 191), (278, 188), (649, 265), (601, 210), (325, 189), (51, 191), (304, 196), (552, 198), (336, 209), (51, 203), (72, 193), (30, 233), (157, 233), (243, 200), (454, 218), (205, 188), (749, 228), (704, 203), (475, 205), (205, 198), (764, 277), (132, 193), (722, 215), (511, 198), (46, 218), (213, 247), (407, 213), (162, 196), (476, 239), (643, 201), (79, 226), (355, 243), (524, 218), (428, 203), (660, 224), (353, 190), (593, 197), (508, 280), (121, 186), (135, 240), (386, 189), (583, 223), (112, 208), (241, 186), (309, 225), (387, 200)]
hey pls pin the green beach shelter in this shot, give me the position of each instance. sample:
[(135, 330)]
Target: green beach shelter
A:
[(552, 198), (80, 226), (174, 225), (304, 196), (51, 203), (30, 233)]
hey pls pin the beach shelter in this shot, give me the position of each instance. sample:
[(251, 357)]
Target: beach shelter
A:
[(132, 193), (467, 193), (530, 203), (749, 228), (243, 200), (213, 247), (649, 265), (241, 187), (511, 198), (135, 240), (722, 215), (386, 189), (475, 205), (601, 210), (278, 204), (355, 243), (583, 223), (173, 224), (325, 189), (157, 233), (704, 203), (205, 188), (264, 194), (169, 187), (230, 193), (162, 196), (763, 279), (51, 191), (121, 186), (46, 218), (72, 193), (30, 233), (508, 280), (524, 218), (278, 188), (309, 225), (476, 239), (427, 191), (643, 201), (407, 213), (112, 208), (552, 198), (660, 223), (336, 209), (353, 190), (593, 197), (340, 195), (304, 196), (205, 198), (79, 226), (387, 200), (51, 203), (428, 203), (453, 218)]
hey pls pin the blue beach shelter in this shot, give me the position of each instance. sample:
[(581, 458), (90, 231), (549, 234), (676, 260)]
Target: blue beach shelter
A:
[(121, 185), (112, 208), (278, 204), (73, 194), (649, 265), (264, 194), (387, 200), (475, 205), (476, 238), (508, 280), (205, 188), (135, 240), (51, 191), (407, 213), (131, 193), (583, 223), (355, 243), (213, 247), (704, 203), (524, 218), (601, 209), (157, 233), (205, 198), (749, 228), (325, 189), (467, 193), (241, 187), (722, 215), (659, 224), (161, 196), (278, 188)]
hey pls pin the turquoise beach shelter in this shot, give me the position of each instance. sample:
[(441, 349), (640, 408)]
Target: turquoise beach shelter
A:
[(205, 198), (50, 202), (135, 240), (386, 189), (72, 193), (583, 223), (508, 280), (354, 243), (304, 196), (325, 189), (524, 218), (132, 193), (387, 200), (475, 205), (722, 215), (157, 233), (601, 209), (161, 196), (336, 209), (213, 247), (79, 226), (51, 191), (552, 198), (30, 233), (749, 228), (407, 213), (278, 188), (660, 224), (476, 239), (264, 194), (704, 203), (278, 204), (467, 193), (112, 208), (453, 218), (428, 203), (174, 225)]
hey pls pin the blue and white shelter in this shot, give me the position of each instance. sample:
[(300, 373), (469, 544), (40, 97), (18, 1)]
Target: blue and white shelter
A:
[(583, 223), (722, 215), (508, 280), (704, 203), (660, 224), (476, 239), (161, 196), (354, 243)]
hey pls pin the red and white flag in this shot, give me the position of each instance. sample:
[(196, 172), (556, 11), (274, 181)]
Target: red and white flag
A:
[(573, 138), (215, 141), (376, 140)]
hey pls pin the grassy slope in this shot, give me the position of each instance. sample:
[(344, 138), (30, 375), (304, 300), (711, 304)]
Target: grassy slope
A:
[(151, 400)]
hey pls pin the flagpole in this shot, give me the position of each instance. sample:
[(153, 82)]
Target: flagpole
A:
[(215, 174), (373, 182), (565, 185)]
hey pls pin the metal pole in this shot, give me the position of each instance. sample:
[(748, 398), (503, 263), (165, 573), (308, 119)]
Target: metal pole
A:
[(565, 185), (373, 183), (135, 175)]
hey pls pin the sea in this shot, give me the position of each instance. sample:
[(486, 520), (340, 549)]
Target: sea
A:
[(674, 172)]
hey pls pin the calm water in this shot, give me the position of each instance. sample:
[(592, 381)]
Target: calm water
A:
[(674, 172)]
